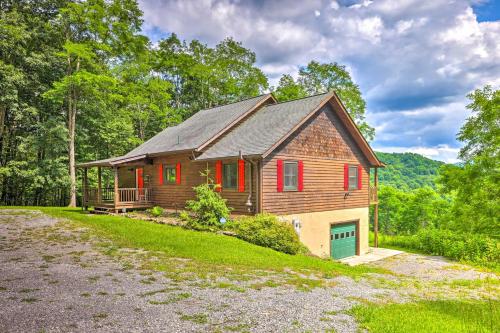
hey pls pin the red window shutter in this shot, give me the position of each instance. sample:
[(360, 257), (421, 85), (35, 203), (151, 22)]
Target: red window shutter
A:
[(279, 175), (360, 177), (178, 174), (300, 176), (160, 174), (218, 176), (241, 176), (346, 177)]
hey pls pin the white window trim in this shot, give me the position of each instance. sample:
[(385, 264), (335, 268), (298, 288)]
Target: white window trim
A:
[(296, 187), (350, 188)]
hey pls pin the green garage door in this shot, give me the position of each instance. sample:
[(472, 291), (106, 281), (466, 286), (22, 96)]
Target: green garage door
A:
[(343, 240)]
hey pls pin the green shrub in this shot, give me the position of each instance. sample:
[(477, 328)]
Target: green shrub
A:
[(266, 230), (156, 211), (206, 211), (475, 248)]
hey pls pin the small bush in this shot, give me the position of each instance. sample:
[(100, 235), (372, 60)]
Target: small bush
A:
[(206, 211), (156, 211), (266, 230), (475, 248)]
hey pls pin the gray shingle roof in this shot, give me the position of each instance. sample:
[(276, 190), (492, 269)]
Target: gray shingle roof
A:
[(198, 129), (263, 129)]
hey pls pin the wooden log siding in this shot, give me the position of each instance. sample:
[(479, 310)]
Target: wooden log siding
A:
[(174, 196), (324, 146), (127, 177)]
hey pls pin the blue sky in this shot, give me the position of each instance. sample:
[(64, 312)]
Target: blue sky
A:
[(414, 60)]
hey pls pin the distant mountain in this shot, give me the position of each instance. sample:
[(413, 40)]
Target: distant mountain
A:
[(407, 171)]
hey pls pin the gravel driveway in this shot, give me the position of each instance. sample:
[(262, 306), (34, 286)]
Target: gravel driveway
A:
[(57, 279)]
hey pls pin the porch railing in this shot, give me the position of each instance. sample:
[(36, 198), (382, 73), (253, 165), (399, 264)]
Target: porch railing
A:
[(134, 194), (373, 194), (125, 195)]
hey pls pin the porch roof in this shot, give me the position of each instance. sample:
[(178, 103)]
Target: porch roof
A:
[(113, 161)]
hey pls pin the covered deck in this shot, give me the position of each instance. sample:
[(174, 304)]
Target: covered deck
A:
[(115, 198)]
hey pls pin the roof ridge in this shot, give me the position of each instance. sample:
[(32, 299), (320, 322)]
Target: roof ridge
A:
[(241, 100), (298, 99)]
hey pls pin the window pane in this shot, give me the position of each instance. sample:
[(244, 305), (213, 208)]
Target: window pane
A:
[(352, 233), (353, 177), (230, 176), (290, 176), (336, 236), (169, 174)]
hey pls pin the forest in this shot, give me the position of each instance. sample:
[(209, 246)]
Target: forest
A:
[(79, 81)]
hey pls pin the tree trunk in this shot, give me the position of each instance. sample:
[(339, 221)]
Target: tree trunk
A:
[(71, 149), (3, 111), (72, 109)]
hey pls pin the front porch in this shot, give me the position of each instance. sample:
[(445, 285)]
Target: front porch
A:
[(106, 199), (118, 195)]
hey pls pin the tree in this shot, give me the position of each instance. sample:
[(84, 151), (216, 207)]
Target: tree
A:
[(316, 78), (204, 77), (146, 96), (476, 185), (31, 135), (481, 132), (288, 89), (97, 34), (407, 212)]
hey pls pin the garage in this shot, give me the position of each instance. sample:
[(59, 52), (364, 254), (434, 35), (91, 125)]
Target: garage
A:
[(343, 240)]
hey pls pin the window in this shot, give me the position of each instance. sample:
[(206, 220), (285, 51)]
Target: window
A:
[(352, 233), (353, 177), (230, 175), (170, 174), (336, 236), (290, 176)]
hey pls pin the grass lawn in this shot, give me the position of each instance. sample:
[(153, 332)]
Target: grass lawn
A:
[(208, 250), (430, 316), (387, 241)]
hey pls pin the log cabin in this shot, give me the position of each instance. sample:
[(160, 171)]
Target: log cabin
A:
[(303, 160)]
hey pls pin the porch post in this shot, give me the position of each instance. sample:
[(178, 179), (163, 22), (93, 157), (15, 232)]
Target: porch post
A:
[(117, 195), (99, 184), (375, 212), (85, 189)]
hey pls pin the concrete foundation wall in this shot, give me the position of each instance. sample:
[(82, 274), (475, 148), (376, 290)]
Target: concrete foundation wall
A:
[(315, 228)]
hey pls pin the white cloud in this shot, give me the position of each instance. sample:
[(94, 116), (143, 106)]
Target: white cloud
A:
[(334, 5), (370, 28), (365, 3), (414, 56)]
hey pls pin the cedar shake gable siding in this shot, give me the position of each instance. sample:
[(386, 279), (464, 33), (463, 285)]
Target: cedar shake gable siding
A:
[(324, 145)]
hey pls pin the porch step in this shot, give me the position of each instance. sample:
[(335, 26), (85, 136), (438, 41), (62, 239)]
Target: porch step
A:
[(101, 210)]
